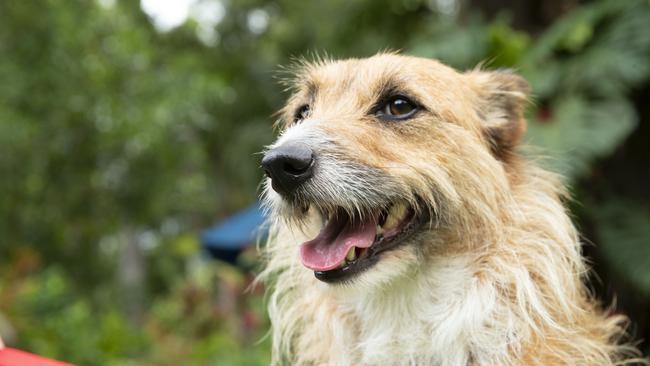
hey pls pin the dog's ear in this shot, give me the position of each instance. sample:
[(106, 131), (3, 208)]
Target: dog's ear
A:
[(502, 101)]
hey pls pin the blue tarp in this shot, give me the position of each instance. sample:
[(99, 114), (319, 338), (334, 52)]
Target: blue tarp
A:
[(226, 239)]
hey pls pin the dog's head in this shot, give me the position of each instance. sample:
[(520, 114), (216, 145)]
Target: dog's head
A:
[(395, 157)]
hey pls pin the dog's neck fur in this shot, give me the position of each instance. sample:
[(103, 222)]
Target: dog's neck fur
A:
[(424, 320), (517, 301)]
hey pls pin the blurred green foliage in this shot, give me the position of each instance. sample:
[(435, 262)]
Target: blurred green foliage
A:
[(119, 142)]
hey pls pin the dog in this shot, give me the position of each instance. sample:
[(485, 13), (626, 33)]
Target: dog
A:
[(407, 228)]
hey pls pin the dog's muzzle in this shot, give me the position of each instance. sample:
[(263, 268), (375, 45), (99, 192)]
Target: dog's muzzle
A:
[(289, 166)]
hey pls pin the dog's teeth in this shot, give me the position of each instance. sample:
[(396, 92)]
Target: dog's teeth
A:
[(341, 264), (379, 230), (395, 215), (352, 255), (362, 252)]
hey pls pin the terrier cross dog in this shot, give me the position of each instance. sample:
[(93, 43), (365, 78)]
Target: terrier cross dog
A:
[(408, 229)]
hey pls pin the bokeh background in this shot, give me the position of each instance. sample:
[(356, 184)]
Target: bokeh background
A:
[(127, 127)]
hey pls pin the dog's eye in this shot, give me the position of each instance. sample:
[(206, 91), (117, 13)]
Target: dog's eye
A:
[(301, 113), (398, 108)]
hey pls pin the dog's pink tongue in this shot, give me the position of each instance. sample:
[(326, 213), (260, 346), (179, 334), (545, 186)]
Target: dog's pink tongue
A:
[(329, 248)]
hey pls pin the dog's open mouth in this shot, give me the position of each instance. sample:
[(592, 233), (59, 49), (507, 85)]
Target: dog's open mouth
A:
[(345, 247)]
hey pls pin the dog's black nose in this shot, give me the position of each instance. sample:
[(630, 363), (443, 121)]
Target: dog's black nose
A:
[(289, 165)]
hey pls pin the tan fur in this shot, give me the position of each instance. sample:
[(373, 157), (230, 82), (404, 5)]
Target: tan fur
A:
[(497, 277)]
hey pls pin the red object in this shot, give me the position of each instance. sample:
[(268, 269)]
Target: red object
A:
[(14, 357)]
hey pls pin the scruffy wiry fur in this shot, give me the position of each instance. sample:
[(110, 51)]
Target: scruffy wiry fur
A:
[(496, 278)]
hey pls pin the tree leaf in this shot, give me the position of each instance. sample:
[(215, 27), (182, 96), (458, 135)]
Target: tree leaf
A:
[(580, 131)]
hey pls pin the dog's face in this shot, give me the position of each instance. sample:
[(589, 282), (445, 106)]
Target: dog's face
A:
[(395, 159)]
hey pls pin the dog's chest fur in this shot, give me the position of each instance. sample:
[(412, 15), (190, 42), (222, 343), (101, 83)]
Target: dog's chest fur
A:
[(441, 317)]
